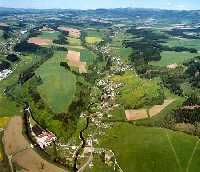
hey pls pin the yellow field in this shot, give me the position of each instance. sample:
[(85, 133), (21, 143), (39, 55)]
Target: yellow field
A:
[(92, 39), (3, 122)]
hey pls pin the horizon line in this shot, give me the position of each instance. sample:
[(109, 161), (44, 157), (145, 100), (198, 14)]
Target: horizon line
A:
[(164, 9)]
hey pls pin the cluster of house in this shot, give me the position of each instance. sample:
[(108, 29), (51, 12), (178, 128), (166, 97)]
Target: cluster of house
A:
[(118, 66), (5, 73), (109, 90), (43, 138)]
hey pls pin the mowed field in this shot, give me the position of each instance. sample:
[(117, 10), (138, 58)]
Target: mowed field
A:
[(172, 57), (49, 35), (143, 149), (59, 84), (183, 42)]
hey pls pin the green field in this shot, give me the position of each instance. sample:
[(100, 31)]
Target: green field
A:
[(73, 41), (117, 41), (92, 39), (95, 33), (124, 53), (1, 34), (152, 149), (183, 42), (50, 35), (59, 85), (7, 106), (138, 92), (172, 57)]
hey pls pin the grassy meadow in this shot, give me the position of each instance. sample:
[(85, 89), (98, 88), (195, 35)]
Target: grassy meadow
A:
[(73, 41), (137, 92), (49, 35), (172, 57), (152, 149), (183, 42), (59, 85)]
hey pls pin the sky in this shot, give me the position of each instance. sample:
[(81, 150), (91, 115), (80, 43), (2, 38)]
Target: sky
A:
[(93, 4)]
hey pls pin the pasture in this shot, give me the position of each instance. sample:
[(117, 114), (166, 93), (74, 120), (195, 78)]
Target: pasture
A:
[(92, 39), (59, 84), (183, 42), (137, 92), (49, 35), (95, 33), (172, 57), (73, 41), (152, 149)]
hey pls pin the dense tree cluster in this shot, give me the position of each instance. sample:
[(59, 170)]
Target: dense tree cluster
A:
[(4, 65), (193, 71), (12, 58)]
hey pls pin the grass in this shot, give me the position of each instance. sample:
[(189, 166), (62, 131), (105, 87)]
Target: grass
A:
[(183, 42), (95, 33), (172, 57), (124, 53), (49, 35), (117, 40), (1, 35), (93, 39), (74, 41), (151, 149), (7, 106), (59, 85), (138, 92)]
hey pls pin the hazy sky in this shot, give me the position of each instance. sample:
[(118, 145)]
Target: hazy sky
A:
[(92, 4)]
